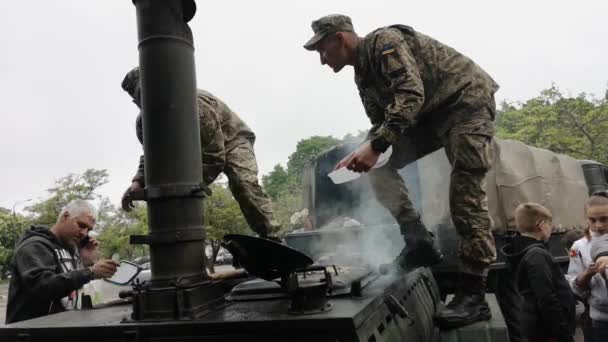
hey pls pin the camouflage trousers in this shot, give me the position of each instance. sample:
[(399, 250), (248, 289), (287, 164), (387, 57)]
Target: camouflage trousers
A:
[(468, 146), (242, 171)]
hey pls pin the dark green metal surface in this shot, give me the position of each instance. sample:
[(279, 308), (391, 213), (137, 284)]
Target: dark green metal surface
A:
[(179, 287), (172, 147), (365, 318)]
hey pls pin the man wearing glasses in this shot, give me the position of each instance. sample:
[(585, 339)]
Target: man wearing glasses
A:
[(47, 268)]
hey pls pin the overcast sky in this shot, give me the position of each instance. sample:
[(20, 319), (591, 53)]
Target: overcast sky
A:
[(62, 61)]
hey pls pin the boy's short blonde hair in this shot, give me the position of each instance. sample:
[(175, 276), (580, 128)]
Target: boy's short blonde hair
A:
[(529, 215)]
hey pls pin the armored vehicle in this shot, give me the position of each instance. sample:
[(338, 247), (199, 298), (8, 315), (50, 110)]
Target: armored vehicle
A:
[(287, 295), (314, 294)]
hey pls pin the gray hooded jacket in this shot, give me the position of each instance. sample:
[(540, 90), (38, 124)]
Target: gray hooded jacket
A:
[(598, 288)]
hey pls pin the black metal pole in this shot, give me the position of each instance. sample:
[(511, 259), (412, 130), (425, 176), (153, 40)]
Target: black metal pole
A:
[(172, 148), (179, 287)]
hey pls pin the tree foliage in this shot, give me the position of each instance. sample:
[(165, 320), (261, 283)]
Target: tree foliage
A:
[(66, 189), (280, 180), (307, 149), (11, 228), (576, 126), (275, 182), (284, 185), (222, 216), (116, 228)]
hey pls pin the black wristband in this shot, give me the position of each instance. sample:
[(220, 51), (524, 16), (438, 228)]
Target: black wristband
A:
[(379, 144)]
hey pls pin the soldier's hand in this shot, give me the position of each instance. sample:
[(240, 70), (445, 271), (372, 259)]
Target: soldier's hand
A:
[(127, 200), (104, 269), (363, 159), (344, 161)]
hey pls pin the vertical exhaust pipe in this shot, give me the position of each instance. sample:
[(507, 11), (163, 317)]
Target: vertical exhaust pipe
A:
[(179, 286)]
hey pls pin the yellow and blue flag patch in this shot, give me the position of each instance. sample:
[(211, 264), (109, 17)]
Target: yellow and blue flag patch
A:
[(387, 49)]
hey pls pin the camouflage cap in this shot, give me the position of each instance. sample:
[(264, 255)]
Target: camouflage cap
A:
[(131, 82), (326, 25), (131, 85)]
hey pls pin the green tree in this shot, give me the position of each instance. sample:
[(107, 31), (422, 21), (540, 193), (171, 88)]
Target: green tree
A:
[(11, 228), (276, 181), (285, 185), (116, 228), (576, 126), (307, 149), (222, 216), (70, 187), (280, 180)]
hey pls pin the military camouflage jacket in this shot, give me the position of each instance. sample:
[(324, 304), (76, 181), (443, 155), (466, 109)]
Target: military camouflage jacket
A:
[(221, 130), (402, 75)]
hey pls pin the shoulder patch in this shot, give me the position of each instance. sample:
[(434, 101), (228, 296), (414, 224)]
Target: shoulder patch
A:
[(573, 252), (387, 49)]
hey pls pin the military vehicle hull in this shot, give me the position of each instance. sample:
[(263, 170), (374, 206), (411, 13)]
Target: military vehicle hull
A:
[(181, 303), (398, 308)]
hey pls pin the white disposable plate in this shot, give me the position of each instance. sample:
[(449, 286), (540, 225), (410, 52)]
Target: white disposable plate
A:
[(343, 175)]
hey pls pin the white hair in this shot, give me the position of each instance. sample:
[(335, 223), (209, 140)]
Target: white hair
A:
[(79, 207)]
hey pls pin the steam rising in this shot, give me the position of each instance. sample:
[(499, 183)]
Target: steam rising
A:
[(368, 237), (363, 233)]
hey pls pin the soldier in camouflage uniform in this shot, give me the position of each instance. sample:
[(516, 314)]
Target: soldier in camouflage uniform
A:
[(227, 146), (420, 96)]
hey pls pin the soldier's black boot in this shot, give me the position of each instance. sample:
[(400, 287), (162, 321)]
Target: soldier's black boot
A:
[(419, 250), (468, 305)]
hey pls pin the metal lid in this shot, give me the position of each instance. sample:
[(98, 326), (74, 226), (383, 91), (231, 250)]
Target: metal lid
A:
[(265, 258)]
